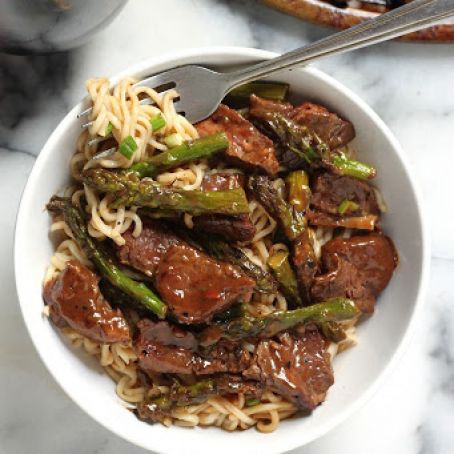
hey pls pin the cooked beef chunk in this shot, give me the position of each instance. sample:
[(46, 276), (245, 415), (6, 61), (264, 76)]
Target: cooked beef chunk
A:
[(168, 349), (260, 107), (328, 126), (248, 147), (232, 228), (74, 299), (305, 264), (332, 129), (223, 181), (196, 287), (297, 368), (147, 250), (321, 219), (374, 256), (342, 279), (329, 191)]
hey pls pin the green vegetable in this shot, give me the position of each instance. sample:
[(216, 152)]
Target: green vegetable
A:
[(189, 151), (129, 190), (346, 166), (157, 122), (333, 331), (252, 402), (297, 183), (127, 147), (173, 140), (333, 309), (291, 221), (103, 262), (347, 206), (108, 129), (239, 97), (298, 147), (283, 272)]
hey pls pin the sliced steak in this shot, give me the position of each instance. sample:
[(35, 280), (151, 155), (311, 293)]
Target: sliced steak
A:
[(74, 299), (332, 129), (163, 348), (296, 368), (374, 256), (322, 219), (260, 107), (342, 279), (196, 287), (232, 228), (329, 191), (247, 146), (147, 250)]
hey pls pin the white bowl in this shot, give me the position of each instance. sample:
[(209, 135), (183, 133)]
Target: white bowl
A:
[(357, 371)]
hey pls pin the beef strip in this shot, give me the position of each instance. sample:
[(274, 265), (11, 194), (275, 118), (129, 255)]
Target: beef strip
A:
[(331, 129), (163, 348), (321, 219), (342, 279), (247, 146), (260, 107), (373, 255), (232, 228), (328, 126), (74, 299), (329, 191), (296, 368), (196, 287), (147, 250)]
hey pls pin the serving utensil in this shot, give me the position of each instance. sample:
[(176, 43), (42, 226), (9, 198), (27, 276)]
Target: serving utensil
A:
[(202, 89)]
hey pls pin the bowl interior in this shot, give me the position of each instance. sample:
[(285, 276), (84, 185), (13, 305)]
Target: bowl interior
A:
[(356, 371)]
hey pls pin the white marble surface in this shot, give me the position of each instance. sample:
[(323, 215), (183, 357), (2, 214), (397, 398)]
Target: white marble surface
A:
[(409, 85)]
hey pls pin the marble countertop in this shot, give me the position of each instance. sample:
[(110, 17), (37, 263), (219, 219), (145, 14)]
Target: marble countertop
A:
[(409, 85)]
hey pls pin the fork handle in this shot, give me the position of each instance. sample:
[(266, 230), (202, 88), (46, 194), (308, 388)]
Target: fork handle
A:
[(408, 18)]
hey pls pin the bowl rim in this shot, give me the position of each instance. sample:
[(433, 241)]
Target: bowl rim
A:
[(234, 53)]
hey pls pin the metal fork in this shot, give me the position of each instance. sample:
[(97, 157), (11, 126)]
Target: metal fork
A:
[(202, 89)]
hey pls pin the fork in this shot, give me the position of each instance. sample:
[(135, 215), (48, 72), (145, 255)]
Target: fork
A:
[(202, 89)]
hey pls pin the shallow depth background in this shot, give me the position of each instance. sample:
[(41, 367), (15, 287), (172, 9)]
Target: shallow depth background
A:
[(409, 86)]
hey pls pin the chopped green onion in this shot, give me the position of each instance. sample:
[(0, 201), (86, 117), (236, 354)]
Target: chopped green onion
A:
[(252, 402), (157, 122), (347, 206), (108, 129), (173, 140), (128, 147)]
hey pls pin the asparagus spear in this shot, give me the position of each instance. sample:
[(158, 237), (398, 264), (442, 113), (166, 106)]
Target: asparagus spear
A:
[(333, 309), (148, 193), (283, 272), (239, 97), (301, 147), (223, 251), (346, 166), (298, 190), (189, 151), (291, 221), (105, 265)]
